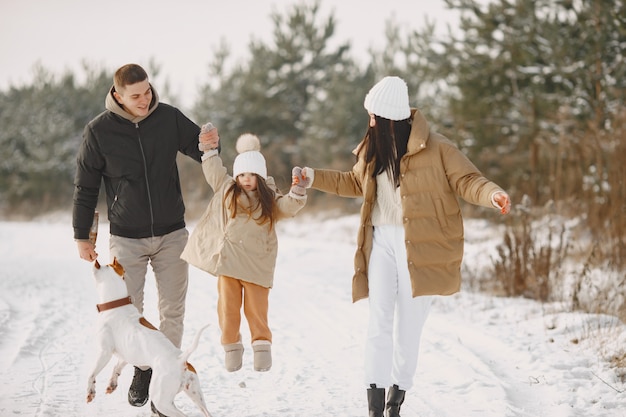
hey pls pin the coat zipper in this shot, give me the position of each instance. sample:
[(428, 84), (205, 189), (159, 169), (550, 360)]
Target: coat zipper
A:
[(145, 173), (117, 194)]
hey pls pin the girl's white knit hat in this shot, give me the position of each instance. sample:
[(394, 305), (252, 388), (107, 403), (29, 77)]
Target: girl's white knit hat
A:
[(389, 99), (249, 158)]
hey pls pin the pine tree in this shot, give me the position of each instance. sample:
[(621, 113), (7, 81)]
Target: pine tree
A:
[(537, 82), (297, 93), (42, 127)]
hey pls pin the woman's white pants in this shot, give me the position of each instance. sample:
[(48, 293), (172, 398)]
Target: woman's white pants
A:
[(396, 319)]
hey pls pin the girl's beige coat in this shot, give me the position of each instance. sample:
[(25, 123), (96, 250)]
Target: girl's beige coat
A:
[(236, 247), (433, 173)]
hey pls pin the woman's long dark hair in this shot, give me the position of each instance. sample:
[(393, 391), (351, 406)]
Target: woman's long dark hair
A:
[(266, 202), (386, 144)]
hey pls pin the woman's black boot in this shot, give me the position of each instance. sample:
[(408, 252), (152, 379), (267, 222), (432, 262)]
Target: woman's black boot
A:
[(395, 398), (375, 401)]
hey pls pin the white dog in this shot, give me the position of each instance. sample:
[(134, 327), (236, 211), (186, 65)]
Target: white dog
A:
[(124, 332)]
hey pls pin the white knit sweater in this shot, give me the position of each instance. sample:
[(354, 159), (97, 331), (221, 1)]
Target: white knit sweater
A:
[(388, 209)]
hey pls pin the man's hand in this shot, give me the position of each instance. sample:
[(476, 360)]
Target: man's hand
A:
[(87, 250), (208, 138)]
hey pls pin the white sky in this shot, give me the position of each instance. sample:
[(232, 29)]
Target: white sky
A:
[(179, 35)]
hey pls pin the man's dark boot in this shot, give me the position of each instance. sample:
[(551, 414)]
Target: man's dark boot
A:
[(138, 391), (375, 401), (395, 398)]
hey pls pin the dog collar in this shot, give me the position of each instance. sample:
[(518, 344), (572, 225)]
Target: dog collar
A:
[(114, 304)]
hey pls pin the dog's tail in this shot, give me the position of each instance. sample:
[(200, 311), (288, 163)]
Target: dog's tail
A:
[(185, 355)]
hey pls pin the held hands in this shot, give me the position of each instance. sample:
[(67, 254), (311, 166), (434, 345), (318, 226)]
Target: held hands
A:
[(300, 181), (299, 177), (208, 138), (502, 201)]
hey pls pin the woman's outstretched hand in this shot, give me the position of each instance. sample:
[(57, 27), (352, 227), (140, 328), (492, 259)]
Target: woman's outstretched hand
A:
[(503, 201)]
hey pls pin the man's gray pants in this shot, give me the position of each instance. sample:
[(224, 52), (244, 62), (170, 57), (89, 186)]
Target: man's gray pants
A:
[(171, 275)]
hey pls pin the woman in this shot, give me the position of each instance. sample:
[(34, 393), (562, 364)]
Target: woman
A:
[(410, 241)]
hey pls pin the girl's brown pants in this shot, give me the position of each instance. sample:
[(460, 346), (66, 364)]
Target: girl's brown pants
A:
[(232, 293)]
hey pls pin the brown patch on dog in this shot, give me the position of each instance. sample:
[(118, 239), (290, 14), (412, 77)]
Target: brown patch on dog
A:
[(191, 368), (96, 264), (117, 267), (146, 323)]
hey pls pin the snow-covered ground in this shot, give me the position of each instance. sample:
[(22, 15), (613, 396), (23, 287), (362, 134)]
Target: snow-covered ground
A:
[(480, 356)]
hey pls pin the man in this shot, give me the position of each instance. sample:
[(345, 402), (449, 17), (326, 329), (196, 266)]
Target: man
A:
[(132, 146)]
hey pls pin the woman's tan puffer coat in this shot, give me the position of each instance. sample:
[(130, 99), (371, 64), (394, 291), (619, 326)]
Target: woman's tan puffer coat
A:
[(433, 173)]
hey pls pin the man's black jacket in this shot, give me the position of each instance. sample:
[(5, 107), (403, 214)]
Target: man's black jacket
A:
[(137, 162)]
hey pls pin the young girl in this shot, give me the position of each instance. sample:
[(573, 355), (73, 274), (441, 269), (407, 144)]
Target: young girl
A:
[(235, 240)]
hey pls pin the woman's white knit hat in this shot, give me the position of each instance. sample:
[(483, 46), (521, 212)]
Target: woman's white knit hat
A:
[(389, 98), (249, 158)]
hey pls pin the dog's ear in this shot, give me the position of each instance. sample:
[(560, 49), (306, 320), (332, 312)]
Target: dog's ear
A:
[(117, 267)]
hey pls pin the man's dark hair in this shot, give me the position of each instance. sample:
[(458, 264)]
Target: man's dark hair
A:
[(127, 75)]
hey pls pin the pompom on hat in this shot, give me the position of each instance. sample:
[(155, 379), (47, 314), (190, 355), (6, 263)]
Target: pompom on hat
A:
[(250, 158), (389, 99)]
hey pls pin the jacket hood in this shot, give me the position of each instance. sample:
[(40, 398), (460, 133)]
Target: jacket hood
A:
[(111, 104)]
